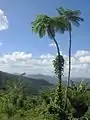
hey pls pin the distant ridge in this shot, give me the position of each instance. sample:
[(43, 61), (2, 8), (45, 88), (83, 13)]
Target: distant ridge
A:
[(31, 84), (54, 80)]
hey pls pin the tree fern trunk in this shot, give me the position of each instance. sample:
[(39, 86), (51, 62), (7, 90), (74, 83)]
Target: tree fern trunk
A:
[(69, 70), (58, 51), (58, 99)]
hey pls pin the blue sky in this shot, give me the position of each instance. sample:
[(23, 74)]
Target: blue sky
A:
[(19, 37)]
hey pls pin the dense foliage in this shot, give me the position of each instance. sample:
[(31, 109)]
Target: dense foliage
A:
[(15, 104)]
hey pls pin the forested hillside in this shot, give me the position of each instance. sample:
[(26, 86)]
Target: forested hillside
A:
[(32, 86)]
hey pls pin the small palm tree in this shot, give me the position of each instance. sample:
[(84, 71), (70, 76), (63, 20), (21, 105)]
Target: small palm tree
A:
[(43, 25)]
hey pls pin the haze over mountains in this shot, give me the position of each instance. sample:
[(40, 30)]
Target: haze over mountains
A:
[(35, 82), (54, 80)]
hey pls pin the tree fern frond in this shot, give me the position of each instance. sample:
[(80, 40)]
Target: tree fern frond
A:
[(60, 24), (60, 11), (72, 16)]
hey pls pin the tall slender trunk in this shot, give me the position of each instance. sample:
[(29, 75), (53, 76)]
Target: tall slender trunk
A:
[(59, 95), (58, 51), (69, 69)]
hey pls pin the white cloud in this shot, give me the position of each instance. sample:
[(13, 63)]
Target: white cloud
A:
[(52, 44), (3, 20), (48, 56), (25, 62), (85, 59), (1, 43), (82, 53)]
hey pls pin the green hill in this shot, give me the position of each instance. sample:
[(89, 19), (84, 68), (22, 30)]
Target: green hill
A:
[(31, 85)]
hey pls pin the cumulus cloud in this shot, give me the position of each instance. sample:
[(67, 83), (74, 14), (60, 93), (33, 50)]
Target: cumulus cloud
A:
[(52, 44), (84, 59), (25, 62), (3, 20), (47, 56), (21, 61), (82, 53)]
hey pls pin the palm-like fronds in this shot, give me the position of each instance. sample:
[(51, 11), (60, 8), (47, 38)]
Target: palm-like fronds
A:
[(60, 24), (43, 24), (72, 16), (39, 25)]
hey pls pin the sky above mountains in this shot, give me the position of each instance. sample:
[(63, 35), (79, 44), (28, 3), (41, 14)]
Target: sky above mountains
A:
[(23, 51)]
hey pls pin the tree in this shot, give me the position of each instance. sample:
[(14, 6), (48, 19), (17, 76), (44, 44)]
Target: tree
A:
[(43, 25), (50, 25), (71, 17)]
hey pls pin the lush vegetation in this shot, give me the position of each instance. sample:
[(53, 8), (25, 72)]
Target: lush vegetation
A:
[(30, 85), (16, 104), (68, 102)]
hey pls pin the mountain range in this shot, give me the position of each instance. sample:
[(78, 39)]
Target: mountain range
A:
[(32, 85), (54, 79)]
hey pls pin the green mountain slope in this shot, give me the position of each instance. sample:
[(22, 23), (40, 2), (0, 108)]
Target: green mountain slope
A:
[(31, 85)]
